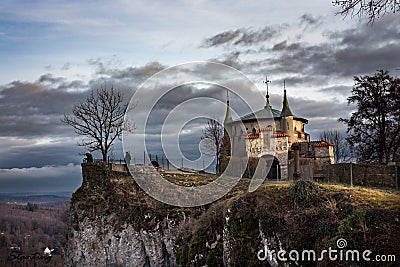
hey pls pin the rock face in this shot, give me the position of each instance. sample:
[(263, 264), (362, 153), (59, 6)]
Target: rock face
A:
[(114, 226), (115, 223), (100, 245)]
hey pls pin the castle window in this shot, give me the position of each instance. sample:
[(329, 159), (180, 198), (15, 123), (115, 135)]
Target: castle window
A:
[(295, 128)]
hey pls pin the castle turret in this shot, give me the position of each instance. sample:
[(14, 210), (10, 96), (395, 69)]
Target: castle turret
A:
[(286, 112), (287, 116), (228, 114)]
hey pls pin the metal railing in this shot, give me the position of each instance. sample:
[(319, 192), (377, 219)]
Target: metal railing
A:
[(159, 161)]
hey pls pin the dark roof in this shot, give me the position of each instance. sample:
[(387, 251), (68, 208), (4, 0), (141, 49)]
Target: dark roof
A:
[(285, 106), (228, 114), (265, 113)]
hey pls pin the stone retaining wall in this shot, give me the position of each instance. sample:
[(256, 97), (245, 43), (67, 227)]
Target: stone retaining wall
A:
[(371, 175)]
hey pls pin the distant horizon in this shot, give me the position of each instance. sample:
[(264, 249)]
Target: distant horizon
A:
[(38, 193)]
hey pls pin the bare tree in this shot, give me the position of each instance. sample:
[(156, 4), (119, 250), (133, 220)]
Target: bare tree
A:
[(213, 134), (341, 149), (372, 9), (100, 120)]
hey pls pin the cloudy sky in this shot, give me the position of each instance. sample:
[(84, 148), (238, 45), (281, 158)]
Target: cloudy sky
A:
[(53, 52)]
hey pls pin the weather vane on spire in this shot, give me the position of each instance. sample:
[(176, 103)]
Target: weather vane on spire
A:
[(267, 82)]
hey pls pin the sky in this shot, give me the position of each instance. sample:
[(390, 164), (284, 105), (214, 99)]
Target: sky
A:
[(53, 52)]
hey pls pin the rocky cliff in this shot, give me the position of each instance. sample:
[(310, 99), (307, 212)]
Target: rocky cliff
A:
[(115, 223)]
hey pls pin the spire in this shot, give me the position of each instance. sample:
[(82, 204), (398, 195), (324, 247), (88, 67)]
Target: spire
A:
[(285, 107), (228, 115), (267, 104)]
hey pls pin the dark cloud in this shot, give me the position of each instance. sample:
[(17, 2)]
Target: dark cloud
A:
[(329, 108), (222, 38), (284, 46), (134, 73), (31, 131), (337, 89), (344, 54), (321, 115), (360, 61), (319, 125), (308, 21), (311, 109), (71, 85), (383, 31), (230, 59), (35, 153), (364, 49), (65, 178), (49, 78), (301, 59), (35, 109), (358, 51), (59, 82), (242, 37)]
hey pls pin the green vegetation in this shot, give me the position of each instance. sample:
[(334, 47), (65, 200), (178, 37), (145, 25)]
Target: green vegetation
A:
[(31, 206), (305, 193)]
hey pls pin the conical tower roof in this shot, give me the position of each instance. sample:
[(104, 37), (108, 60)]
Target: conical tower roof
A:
[(286, 112), (228, 114)]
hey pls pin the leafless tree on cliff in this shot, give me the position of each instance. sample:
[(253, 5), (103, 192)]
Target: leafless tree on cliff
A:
[(373, 9), (341, 149), (213, 134), (374, 128), (100, 119)]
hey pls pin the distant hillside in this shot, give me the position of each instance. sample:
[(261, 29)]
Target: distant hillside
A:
[(32, 231), (44, 200)]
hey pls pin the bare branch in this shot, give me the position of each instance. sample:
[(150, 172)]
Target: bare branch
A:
[(372, 9), (100, 119), (213, 134)]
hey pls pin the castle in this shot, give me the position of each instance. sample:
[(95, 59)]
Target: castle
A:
[(273, 134)]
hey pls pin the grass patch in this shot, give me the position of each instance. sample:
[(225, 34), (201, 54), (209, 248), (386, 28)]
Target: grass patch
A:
[(366, 197)]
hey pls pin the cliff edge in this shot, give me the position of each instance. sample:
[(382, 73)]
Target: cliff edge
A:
[(115, 223)]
